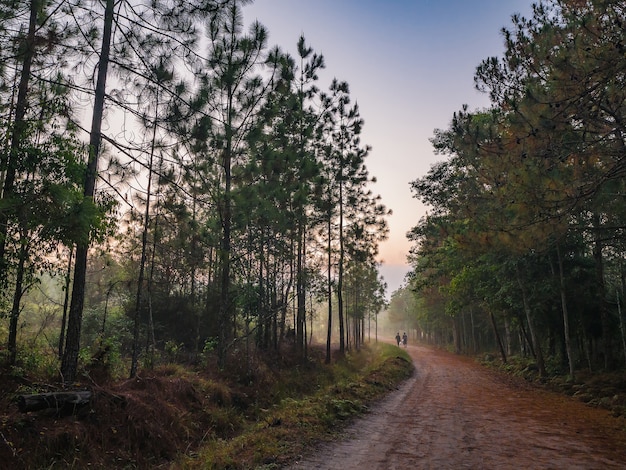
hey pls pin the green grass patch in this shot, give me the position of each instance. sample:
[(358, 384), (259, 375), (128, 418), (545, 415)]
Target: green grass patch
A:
[(326, 398)]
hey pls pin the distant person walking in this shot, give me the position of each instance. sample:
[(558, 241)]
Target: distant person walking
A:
[(398, 338), (405, 338)]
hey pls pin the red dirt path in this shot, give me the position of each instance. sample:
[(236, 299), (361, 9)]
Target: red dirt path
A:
[(455, 414)]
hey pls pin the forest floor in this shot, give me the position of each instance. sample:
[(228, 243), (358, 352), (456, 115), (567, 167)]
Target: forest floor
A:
[(455, 413), (259, 412)]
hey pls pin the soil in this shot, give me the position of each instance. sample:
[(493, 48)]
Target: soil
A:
[(454, 413)]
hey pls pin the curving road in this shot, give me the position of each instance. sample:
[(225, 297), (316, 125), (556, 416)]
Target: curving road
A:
[(455, 414)]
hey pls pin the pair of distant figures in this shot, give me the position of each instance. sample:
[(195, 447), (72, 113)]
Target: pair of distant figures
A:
[(404, 338)]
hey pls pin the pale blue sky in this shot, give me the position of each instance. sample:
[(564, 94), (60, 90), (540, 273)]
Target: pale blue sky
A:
[(410, 65)]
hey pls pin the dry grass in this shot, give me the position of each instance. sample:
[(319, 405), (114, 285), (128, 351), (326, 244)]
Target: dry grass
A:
[(180, 417)]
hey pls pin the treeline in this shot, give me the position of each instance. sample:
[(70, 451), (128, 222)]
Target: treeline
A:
[(523, 250), (184, 185)]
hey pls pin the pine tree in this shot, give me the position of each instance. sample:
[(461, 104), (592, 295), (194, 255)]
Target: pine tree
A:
[(231, 94)]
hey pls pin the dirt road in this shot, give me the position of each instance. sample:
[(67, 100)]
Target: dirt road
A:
[(454, 414)]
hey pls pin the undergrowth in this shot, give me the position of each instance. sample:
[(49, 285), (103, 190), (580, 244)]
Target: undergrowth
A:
[(297, 421), (258, 413), (601, 389)]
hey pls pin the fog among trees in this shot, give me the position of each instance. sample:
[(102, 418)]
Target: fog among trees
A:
[(175, 186)]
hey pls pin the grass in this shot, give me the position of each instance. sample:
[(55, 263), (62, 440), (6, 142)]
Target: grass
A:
[(303, 418), (260, 414)]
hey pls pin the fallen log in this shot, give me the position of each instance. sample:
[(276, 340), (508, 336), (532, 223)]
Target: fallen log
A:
[(58, 400)]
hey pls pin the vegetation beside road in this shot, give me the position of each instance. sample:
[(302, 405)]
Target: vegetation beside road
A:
[(599, 389), (266, 414)]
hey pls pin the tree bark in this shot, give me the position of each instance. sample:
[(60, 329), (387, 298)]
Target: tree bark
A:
[(329, 331), (61, 401), (497, 335), (144, 252), (18, 292), (535, 340), (66, 300), (566, 332), (340, 307), (69, 364), (604, 314), (300, 292), (622, 326), (17, 136)]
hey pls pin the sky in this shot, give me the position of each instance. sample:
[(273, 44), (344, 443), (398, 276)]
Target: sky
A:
[(410, 66)]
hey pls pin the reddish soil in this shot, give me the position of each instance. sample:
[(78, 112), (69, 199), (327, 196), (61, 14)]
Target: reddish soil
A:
[(454, 414)]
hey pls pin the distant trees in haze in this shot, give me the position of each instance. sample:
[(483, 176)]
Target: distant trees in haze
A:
[(213, 188)]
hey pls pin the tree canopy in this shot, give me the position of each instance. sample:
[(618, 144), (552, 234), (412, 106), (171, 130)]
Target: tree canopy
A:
[(182, 185), (522, 244)]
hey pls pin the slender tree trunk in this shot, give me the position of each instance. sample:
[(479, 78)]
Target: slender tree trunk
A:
[(473, 326), (340, 308), (151, 336), (106, 310), (604, 314), (566, 332), (535, 341), (310, 329), (224, 315), (277, 308), (150, 339), (18, 292), (69, 365), (622, 326), (525, 338), (210, 291), (304, 324), (498, 339), (508, 336), (267, 306), (66, 301), (300, 300), (376, 328), (456, 336), (303, 293), (329, 280), (285, 300), (192, 275), (10, 162), (465, 341), (144, 251)]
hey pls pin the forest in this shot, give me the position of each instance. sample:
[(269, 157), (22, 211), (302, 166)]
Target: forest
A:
[(175, 188), (522, 250)]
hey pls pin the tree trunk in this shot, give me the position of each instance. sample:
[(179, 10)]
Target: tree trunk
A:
[(329, 293), (566, 332), (69, 363), (151, 336), (144, 251), (17, 300), (300, 293), (473, 326), (20, 125), (61, 401), (535, 341), (340, 308), (497, 335), (66, 301), (622, 327), (604, 314)]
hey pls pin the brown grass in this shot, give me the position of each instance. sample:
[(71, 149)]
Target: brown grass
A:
[(177, 417)]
